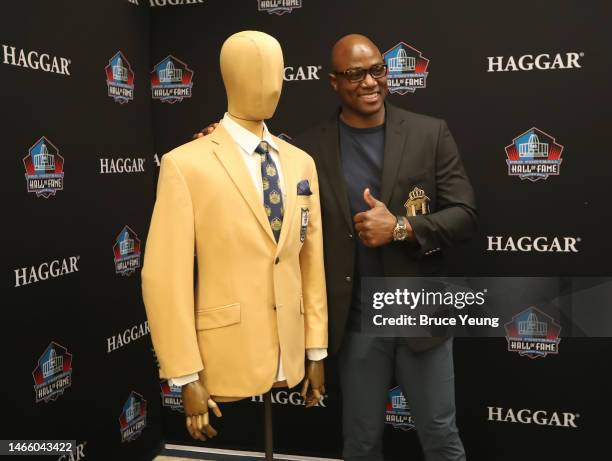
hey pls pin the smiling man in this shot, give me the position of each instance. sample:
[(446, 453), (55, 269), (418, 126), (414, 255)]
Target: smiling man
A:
[(394, 194)]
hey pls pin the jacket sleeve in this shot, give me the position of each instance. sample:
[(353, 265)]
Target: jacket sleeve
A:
[(167, 275), (454, 219), (313, 272)]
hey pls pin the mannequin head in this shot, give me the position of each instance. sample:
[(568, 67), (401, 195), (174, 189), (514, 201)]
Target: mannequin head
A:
[(252, 70)]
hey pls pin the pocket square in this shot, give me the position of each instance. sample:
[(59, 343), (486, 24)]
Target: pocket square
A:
[(303, 187)]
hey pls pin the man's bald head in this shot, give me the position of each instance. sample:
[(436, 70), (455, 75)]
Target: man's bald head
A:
[(362, 90), (350, 48)]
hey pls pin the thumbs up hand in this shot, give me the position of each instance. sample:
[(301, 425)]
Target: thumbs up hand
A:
[(375, 226), (370, 200)]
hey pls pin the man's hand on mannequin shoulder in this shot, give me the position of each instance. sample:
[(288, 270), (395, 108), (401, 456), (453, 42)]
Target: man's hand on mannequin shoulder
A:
[(206, 131), (375, 226)]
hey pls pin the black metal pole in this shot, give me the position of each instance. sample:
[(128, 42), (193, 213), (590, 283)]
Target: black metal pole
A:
[(268, 426)]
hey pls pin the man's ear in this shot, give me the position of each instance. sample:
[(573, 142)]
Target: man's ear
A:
[(333, 81)]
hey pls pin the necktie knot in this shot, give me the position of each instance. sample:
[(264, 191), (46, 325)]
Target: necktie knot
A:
[(262, 148)]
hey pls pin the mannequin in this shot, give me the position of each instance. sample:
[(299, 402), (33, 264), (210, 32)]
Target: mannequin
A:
[(252, 70)]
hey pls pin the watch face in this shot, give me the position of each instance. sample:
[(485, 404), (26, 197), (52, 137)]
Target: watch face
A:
[(400, 233)]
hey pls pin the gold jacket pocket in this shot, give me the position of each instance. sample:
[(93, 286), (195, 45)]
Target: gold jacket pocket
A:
[(217, 317)]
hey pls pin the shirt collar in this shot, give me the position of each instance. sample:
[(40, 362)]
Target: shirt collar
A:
[(244, 138)]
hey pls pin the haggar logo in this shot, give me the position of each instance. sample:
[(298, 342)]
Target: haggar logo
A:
[(537, 417), (35, 60), (288, 398), (528, 244), (278, 7), (292, 74), (528, 62), (121, 165), (127, 336), (46, 270)]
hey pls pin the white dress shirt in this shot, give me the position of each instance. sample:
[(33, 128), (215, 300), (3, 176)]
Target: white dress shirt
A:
[(247, 142)]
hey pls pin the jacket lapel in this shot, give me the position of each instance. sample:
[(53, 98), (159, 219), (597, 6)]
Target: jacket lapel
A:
[(229, 155), (395, 139), (330, 153)]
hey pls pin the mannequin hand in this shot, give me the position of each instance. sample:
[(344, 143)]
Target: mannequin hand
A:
[(314, 383), (197, 401), (375, 226), (206, 131)]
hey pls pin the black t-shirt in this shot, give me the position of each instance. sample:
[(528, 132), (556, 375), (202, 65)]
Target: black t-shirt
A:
[(362, 153)]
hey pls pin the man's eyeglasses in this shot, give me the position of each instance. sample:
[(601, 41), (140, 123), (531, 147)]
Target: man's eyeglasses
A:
[(357, 75)]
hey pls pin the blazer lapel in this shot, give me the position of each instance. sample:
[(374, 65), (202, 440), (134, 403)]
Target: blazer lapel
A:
[(229, 155), (330, 153), (395, 139), (291, 180)]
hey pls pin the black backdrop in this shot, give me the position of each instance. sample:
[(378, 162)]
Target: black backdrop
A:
[(94, 316)]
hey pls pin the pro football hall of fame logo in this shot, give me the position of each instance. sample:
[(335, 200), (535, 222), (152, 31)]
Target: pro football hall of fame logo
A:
[(171, 80), (533, 333), (133, 419), (398, 413), (120, 79), (407, 69), (534, 155), (127, 252), (172, 396), (278, 7), (44, 168), (53, 373)]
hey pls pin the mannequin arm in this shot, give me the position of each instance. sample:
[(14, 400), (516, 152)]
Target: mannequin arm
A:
[(197, 401)]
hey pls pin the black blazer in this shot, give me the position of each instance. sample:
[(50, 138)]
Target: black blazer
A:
[(419, 152)]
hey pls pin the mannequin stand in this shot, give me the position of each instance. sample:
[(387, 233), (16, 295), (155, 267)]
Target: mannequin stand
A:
[(269, 439)]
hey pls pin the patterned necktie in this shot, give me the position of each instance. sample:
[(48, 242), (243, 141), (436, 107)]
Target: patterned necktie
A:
[(273, 199)]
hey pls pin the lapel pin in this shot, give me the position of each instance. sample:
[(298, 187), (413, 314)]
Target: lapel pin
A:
[(417, 203)]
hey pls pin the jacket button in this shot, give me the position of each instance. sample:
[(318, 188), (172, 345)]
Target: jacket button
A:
[(274, 307), (348, 279), (350, 236), (276, 260)]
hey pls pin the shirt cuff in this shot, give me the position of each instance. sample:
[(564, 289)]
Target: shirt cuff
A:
[(315, 354), (182, 380)]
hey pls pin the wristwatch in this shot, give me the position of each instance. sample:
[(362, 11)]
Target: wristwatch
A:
[(400, 232)]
